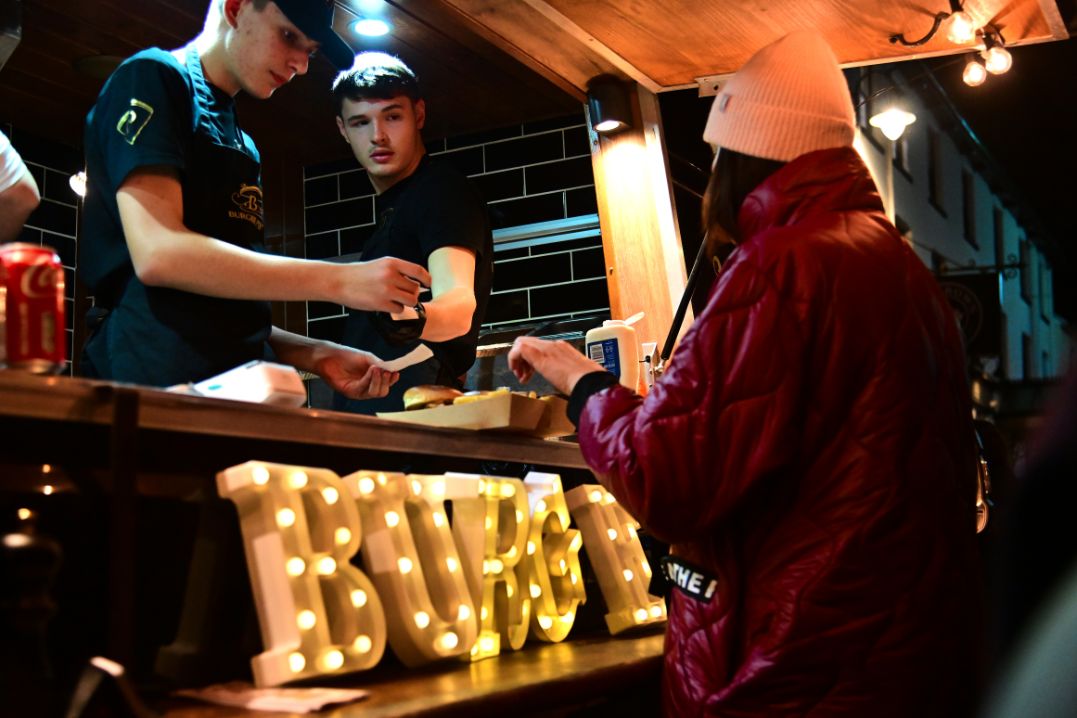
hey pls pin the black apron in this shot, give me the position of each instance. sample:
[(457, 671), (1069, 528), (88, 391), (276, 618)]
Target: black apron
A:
[(158, 336)]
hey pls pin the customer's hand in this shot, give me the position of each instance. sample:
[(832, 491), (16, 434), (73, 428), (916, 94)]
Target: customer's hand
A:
[(558, 361), (381, 285), (352, 373)]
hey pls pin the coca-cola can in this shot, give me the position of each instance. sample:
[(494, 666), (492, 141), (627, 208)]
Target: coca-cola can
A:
[(32, 329)]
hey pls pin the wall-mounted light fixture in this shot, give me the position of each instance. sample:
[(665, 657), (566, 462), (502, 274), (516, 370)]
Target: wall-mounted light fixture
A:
[(608, 104), (892, 121), (889, 114)]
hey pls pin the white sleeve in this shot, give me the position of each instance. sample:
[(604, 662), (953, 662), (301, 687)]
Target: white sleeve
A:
[(11, 165)]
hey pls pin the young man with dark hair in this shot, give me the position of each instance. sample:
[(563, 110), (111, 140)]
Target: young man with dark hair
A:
[(173, 226), (427, 213)]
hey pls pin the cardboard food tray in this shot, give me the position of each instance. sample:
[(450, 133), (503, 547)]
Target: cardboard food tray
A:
[(498, 412)]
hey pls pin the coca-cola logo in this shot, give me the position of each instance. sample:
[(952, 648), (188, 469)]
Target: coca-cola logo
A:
[(39, 280)]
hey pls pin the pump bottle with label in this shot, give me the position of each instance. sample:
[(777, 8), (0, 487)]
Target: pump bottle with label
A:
[(615, 347)]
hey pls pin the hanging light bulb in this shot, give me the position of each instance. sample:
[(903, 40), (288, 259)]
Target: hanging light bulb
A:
[(961, 30), (892, 122), (997, 60), (975, 73)]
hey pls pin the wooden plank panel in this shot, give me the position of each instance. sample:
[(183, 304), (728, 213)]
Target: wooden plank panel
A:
[(525, 30), (679, 40), (645, 269)]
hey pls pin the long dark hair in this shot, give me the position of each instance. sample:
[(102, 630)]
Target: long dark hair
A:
[(733, 178)]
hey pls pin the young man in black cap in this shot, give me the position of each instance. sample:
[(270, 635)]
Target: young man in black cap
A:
[(427, 213), (173, 222)]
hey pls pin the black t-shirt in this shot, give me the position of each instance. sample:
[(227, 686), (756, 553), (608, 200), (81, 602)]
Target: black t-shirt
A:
[(434, 207), (156, 111)]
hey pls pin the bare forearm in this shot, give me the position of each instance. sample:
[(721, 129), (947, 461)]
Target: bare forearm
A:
[(203, 265), (16, 204), (449, 316), (297, 350)]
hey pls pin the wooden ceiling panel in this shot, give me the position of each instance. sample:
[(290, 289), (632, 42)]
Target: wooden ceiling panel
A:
[(470, 83), (674, 42)]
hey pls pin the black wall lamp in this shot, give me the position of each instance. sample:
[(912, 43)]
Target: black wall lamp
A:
[(608, 104), (888, 114)]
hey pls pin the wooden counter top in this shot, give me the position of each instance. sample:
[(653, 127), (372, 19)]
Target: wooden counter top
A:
[(78, 414), (539, 678)]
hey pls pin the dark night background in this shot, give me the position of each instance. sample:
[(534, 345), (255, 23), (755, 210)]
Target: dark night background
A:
[(1027, 119)]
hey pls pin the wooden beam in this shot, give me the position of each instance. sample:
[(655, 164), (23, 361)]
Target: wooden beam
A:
[(574, 30), (641, 241)]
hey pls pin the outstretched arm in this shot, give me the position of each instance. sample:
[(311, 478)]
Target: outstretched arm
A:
[(166, 253)]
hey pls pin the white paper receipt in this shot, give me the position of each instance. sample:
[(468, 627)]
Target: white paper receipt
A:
[(418, 354)]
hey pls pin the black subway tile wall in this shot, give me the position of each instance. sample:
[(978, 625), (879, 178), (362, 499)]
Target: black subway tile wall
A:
[(537, 172), (55, 222)]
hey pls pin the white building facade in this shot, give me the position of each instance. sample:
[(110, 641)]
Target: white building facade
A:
[(954, 207)]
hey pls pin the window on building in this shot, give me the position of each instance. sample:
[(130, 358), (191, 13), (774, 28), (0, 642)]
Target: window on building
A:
[(934, 171), (901, 154), (1044, 287), (968, 207), (1026, 271), (1026, 356), (903, 228), (1000, 238)]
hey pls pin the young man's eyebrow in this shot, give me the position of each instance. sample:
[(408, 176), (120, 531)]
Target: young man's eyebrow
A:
[(380, 111)]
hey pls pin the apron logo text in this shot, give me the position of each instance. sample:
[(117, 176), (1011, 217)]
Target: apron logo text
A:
[(249, 201)]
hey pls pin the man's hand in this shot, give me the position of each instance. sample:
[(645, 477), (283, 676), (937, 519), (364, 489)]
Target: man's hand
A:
[(352, 372), (558, 361), (381, 285)]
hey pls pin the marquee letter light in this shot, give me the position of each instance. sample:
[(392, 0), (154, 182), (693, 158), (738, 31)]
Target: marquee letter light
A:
[(319, 615), (491, 530), (609, 535), (408, 551), (551, 572)]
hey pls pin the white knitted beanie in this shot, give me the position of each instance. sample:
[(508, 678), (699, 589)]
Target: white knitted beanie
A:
[(789, 98)]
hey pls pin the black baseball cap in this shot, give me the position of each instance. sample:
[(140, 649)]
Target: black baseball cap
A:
[(315, 19)]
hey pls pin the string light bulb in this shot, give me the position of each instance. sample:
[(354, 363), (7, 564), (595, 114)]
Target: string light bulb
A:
[(975, 73), (997, 60), (960, 29)]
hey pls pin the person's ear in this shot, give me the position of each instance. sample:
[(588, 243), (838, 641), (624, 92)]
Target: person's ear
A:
[(343, 129), (231, 11), (420, 113)]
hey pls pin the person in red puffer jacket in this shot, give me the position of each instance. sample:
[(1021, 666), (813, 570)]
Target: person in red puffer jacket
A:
[(810, 446)]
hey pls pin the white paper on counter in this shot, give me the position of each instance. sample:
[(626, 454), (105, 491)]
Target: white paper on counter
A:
[(291, 700), (419, 354)]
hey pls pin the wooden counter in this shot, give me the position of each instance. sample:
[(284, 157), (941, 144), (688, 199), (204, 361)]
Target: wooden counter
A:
[(73, 418), (592, 672)]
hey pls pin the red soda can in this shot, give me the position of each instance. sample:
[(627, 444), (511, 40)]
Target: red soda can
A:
[(32, 335)]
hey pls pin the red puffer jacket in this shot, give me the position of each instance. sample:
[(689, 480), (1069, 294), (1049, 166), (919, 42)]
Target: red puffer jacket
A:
[(810, 447)]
